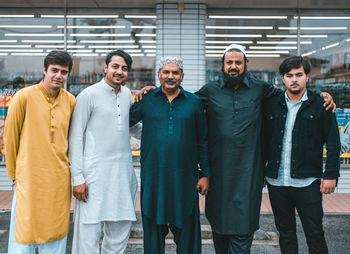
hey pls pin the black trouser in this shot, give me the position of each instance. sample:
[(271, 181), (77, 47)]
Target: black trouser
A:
[(308, 202), (187, 238), (232, 244)]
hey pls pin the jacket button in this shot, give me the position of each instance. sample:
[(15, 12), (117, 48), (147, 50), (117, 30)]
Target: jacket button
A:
[(271, 117), (281, 131), (284, 116), (311, 116)]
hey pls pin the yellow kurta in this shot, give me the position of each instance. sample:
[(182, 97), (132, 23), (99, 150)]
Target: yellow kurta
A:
[(36, 145)]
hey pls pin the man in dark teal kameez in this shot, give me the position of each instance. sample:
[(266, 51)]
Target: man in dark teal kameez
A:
[(173, 144)]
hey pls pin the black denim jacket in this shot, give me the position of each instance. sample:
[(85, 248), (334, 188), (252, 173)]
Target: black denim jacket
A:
[(314, 127)]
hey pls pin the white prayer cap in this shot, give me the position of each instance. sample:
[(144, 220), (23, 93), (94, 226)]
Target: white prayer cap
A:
[(236, 46), (171, 60)]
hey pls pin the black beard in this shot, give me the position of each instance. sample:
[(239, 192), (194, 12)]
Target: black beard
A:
[(232, 81)]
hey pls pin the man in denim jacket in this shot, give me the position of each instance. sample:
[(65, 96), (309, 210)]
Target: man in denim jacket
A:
[(295, 128)]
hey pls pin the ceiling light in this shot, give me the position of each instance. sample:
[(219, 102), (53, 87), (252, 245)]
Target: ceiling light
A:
[(145, 35), (141, 16), (17, 16), (59, 46), (239, 27), (51, 16), (263, 55), (7, 41), (100, 35), (274, 47), (267, 51), (80, 16), (92, 27), (248, 17), (309, 17), (215, 51), (15, 46), (150, 51), (107, 41), (229, 42), (149, 46), (127, 50), (234, 35), (151, 55), (85, 54), (330, 46), (28, 54), (283, 42), (213, 55), (147, 41), (48, 41), (21, 50), (4, 54), (25, 26), (136, 54), (113, 46), (312, 28), (79, 50), (295, 36), (42, 34), (150, 27), (215, 47), (309, 53), (93, 16)]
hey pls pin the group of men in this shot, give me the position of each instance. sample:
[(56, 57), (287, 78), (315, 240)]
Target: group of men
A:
[(209, 142)]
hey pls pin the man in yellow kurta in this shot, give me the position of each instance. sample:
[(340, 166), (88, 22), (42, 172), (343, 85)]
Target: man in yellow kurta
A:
[(36, 146)]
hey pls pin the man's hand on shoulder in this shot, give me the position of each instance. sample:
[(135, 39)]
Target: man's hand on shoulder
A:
[(328, 101), (203, 185), (327, 186), (143, 91), (80, 192)]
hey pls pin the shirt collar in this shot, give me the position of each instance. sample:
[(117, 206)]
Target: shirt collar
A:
[(303, 98), (108, 88), (159, 91), (46, 92)]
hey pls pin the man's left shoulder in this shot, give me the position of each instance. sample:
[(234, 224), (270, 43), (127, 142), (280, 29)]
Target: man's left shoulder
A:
[(191, 96), (68, 95), (315, 98), (253, 81)]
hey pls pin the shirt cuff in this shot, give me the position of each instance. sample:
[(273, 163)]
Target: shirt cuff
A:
[(204, 172), (78, 179)]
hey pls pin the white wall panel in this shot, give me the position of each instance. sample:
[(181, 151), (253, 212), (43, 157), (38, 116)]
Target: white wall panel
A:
[(183, 35)]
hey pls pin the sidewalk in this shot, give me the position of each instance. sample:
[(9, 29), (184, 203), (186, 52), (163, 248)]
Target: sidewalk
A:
[(332, 203)]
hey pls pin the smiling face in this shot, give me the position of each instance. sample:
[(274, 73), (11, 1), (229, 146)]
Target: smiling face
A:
[(234, 63), (55, 76), (170, 77), (295, 80), (116, 71)]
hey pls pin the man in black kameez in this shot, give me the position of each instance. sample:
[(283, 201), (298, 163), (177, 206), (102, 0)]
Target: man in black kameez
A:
[(233, 109), (173, 143)]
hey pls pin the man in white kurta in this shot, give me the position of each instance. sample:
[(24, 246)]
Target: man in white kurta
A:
[(101, 161)]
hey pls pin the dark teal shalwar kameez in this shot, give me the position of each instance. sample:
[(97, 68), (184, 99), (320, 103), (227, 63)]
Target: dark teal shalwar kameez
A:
[(173, 143), (235, 160)]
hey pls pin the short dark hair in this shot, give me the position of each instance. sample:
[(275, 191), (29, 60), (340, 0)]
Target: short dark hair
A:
[(293, 62), (59, 57), (119, 52)]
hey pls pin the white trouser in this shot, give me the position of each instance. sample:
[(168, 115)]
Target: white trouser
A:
[(56, 247), (86, 237)]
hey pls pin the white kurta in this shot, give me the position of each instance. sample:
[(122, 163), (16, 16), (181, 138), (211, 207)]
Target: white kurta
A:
[(100, 153)]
